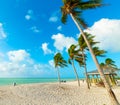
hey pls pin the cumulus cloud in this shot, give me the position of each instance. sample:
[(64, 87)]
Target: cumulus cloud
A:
[(45, 49), (62, 42), (107, 32), (2, 33), (20, 64), (53, 19), (18, 55), (59, 28)]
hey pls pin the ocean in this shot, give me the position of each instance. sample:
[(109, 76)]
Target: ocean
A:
[(10, 81)]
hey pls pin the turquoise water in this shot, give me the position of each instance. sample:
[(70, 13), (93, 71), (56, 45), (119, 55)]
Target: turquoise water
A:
[(10, 81)]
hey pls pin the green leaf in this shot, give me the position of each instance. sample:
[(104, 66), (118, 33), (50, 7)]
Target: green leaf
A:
[(69, 61), (64, 18), (81, 22), (65, 1), (91, 4)]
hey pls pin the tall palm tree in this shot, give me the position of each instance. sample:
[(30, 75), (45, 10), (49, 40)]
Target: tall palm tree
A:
[(73, 54), (83, 47), (74, 8), (59, 62)]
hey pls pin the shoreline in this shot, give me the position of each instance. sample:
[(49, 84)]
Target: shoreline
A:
[(54, 94), (18, 81)]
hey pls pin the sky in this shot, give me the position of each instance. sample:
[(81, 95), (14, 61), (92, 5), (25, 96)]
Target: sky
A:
[(31, 33)]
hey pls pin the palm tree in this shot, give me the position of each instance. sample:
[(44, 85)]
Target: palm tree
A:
[(83, 47), (74, 8), (102, 65), (110, 64), (59, 62), (73, 54)]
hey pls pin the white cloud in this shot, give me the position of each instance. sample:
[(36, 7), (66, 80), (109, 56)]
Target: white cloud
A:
[(2, 33), (29, 15), (18, 55), (19, 65), (1, 55), (51, 62), (45, 49), (59, 28), (62, 42), (35, 29), (107, 31), (53, 19)]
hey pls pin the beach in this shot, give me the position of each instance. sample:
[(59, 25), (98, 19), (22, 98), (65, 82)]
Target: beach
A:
[(67, 93)]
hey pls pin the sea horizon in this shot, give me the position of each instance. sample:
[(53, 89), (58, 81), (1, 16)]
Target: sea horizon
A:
[(30, 80)]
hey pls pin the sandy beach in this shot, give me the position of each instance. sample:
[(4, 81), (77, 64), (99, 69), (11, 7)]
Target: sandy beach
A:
[(54, 94)]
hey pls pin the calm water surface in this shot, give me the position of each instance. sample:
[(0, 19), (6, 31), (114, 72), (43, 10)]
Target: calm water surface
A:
[(10, 81)]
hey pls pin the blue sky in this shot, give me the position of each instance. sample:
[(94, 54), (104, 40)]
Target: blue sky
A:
[(31, 33)]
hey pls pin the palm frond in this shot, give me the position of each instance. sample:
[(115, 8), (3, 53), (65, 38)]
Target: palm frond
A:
[(91, 4), (81, 22), (76, 12), (69, 61), (99, 52), (59, 60), (65, 1), (64, 18)]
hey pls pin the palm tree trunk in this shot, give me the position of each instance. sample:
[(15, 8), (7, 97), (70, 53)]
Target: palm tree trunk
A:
[(75, 73), (85, 71), (107, 86), (58, 76)]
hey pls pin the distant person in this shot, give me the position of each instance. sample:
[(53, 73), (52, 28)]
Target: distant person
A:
[(14, 84), (83, 80)]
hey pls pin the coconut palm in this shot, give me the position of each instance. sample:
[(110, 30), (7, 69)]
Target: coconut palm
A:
[(74, 55), (59, 62), (102, 65), (83, 47), (74, 8), (109, 65)]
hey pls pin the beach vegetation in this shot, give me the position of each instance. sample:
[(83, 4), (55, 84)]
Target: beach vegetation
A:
[(59, 62), (74, 8), (83, 47), (74, 55), (109, 65)]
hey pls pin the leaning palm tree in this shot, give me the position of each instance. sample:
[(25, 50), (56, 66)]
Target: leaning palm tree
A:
[(83, 47), (59, 62), (73, 54), (74, 8)]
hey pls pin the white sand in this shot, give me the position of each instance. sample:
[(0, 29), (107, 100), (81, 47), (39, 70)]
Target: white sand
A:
[(53, 94)]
